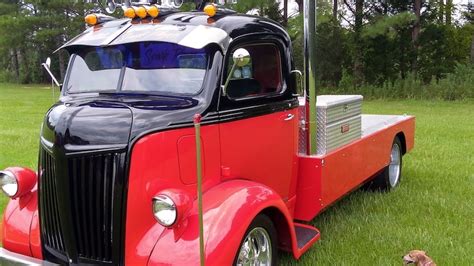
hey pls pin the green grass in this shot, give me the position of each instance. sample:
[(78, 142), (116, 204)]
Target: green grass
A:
[(433, 209), (22, 108)]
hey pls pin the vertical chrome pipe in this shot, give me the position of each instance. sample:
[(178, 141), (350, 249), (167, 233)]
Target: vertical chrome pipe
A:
[(310, 71)]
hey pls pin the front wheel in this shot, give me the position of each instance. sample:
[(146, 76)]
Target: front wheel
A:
[(390, 176), (258, 247)]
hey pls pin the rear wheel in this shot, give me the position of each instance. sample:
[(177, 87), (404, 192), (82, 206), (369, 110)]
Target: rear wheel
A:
[(258, 247), (390, 176)]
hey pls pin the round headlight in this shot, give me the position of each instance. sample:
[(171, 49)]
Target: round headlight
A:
[(8, 183), (164, 210)]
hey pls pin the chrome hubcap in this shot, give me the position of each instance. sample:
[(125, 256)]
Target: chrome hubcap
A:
[(394, 167), (256, 249)]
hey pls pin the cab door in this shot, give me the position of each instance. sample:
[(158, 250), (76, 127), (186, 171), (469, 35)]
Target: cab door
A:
[(258, 114)]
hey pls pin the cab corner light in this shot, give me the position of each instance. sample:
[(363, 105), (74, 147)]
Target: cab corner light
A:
[(130, 13), (210, 10), (153, 11), (141, 12), (91, 19)]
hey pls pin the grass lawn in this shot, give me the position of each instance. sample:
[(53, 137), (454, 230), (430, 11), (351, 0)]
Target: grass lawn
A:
[(433, 209)]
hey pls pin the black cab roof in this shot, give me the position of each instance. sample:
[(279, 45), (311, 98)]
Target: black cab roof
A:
[(191, 29)]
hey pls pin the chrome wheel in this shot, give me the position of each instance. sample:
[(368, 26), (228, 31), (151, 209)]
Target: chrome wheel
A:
[(256, 248), (395, 165)]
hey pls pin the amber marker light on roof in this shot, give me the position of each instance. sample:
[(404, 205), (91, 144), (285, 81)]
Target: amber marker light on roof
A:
[(91, 19), (141, 12), (210, 10), (130, 12), (153, 11)]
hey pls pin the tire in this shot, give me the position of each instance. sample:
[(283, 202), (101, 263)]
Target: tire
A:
[(390, 176), (260, 233)]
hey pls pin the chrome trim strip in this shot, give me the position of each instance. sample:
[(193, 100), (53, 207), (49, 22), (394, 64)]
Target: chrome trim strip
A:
[(12, 258), (48, 144), (115, 35)]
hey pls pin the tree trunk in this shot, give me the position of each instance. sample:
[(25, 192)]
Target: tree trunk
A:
[(24, 66), (416, 34), (15, 64), (300, 6), (62, 54), (416, 27), (449, 11), (334, 10), (441, 11), (285, 13), (62, 65), (472, 49), (358, 53)]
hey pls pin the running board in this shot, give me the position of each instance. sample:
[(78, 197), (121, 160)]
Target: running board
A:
[(306, 236)]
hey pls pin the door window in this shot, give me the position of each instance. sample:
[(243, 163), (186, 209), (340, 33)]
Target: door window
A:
[(261, 77)]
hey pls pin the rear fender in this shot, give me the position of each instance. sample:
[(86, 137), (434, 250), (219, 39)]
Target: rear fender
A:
[(229, 208)]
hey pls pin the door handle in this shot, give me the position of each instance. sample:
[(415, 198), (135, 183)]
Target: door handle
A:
[(289, 117)]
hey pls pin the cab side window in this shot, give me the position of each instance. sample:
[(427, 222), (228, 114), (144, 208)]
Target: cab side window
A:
[(261, 77)]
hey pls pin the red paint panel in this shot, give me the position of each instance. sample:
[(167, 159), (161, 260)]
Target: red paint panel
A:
[(409, 130), (35, 237), (308, 194), (325, 179), (354, 164), (187, 159), (154, 167), (290, 205), (17, 224), (229, 208), (263, 149)]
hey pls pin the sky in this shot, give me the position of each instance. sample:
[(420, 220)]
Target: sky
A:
[(293, 6)]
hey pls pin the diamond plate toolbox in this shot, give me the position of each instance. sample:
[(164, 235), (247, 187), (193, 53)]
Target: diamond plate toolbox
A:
[(338, 121)]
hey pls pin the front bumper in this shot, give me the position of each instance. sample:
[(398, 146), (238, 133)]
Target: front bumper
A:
[(12, 258)]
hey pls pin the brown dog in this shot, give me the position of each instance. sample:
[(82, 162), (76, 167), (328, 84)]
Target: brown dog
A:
[(418, 257)]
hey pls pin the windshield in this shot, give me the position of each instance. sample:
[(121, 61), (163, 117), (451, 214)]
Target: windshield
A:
[(154, 67)]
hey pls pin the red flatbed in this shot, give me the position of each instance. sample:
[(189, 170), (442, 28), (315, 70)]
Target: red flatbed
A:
[(323, 179)]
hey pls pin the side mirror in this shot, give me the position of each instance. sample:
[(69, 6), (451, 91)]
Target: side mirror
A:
[(297, 80), (46, 66), (241, 58)]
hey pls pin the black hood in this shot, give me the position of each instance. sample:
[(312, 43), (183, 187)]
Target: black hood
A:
[(112, 121)]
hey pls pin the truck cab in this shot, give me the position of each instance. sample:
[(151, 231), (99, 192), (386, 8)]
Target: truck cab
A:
[(117, 175)]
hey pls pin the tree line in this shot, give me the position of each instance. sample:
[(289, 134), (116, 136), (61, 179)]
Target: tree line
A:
[(358, 42)]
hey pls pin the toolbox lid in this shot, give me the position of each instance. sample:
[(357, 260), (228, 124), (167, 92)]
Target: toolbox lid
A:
[(332, 100)]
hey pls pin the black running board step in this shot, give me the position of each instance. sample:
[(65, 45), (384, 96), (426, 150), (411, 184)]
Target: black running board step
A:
[(306, 235)]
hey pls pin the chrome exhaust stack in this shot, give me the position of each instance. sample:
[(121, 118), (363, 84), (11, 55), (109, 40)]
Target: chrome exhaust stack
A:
[(310, 72)]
